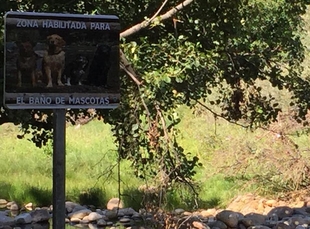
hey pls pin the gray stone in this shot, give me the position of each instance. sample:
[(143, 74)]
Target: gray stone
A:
[(5, 220), (23, 218), (281, 212), (70, 206), (124, 220), (253, 219), (40, 215), (230, 218), (99, 211), (218, 224), (78, 208), (101, 222), (111, 214), (282, 225), (298, 220), (4, 213)]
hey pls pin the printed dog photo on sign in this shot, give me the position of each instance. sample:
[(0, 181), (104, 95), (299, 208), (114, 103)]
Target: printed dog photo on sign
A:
[(60, 55), (53, 64), (61, 61), (75, 71), (26, 63)]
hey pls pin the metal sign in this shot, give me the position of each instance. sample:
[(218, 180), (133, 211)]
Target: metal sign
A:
[(56, 61)]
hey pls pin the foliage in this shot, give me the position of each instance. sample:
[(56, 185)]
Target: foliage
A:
[(211, 52)]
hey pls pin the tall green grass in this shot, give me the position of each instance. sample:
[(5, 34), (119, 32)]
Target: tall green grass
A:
[(92, 171)]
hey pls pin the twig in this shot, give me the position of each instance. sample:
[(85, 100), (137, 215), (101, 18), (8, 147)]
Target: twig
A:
[(158, 11), (145, 23), (126, 66), (163, 122), (218, 115)]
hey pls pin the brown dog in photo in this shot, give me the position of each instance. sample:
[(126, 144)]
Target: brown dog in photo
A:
[(54, 60), (26, 62)]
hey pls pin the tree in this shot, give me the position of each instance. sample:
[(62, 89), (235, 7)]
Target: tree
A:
[(210, 52)]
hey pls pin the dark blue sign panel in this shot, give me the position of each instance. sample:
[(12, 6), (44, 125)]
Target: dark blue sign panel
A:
[(61, 61)]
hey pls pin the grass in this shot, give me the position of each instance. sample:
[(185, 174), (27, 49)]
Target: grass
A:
[(91, 169), (91, 164)]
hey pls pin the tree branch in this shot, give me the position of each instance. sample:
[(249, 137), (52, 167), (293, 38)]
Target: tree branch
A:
[(124, 63), (136, 28), (126, 66)]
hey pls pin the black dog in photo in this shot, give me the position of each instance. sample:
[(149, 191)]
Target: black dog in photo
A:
[(100, 65), (75, 71)]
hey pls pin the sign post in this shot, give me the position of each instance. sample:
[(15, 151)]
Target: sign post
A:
[(61, 61), (59, 168)]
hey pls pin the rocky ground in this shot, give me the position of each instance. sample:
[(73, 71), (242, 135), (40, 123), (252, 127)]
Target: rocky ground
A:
[(244, 212)]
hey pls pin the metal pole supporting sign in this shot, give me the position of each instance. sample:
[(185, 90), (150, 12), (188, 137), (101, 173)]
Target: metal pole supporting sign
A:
[(59, 168)]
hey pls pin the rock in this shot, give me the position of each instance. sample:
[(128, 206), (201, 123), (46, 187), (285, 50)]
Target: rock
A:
[(79, 214), (12, 206), (114, 203), (41, 215), (3, 203), (187, 213), (23, 218), (282, 225), (92, 226), (78, 208), (253, 219), (101, 222), (94, 216), (6, 220), (299, 220), (208, 213), (84, 220), (99, 211), (281, 212), (111, 214), (75, 220), (217, 224), (4, 213), (179, 211), (301, 227), (199, 225), (124, 220), (6, 227), (230, 218), (271, 203), (29, 206), (14, 213), (126, 211), (70, 206), (136, 216)]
